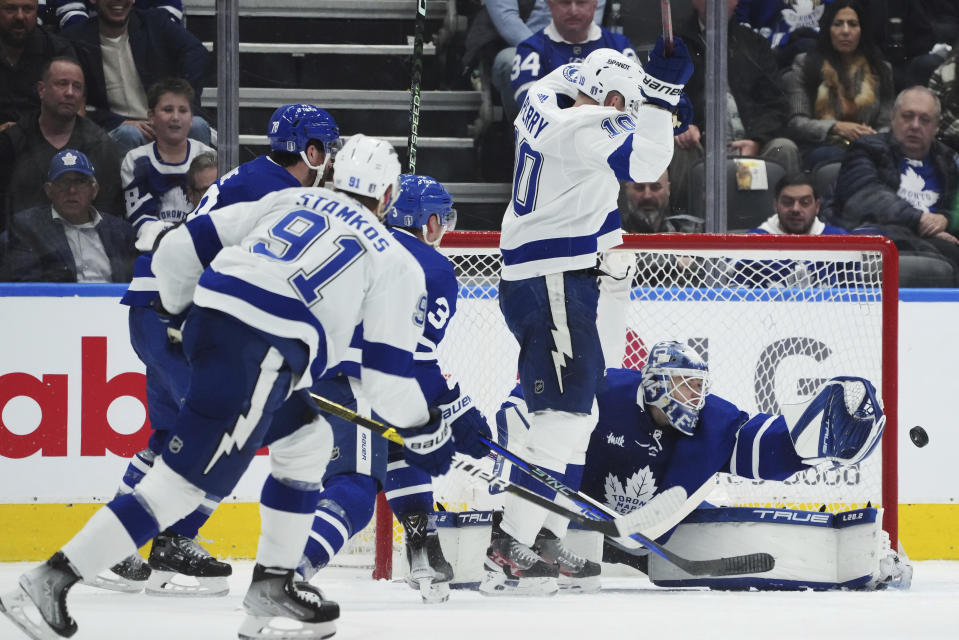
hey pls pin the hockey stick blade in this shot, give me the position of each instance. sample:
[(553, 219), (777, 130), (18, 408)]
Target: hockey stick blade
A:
[(591, 516)]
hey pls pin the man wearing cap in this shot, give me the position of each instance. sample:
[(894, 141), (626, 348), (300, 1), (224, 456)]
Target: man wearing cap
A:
[(68, 240)]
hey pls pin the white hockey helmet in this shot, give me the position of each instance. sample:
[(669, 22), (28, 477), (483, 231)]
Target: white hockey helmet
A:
[(367, 167), (606, 70)]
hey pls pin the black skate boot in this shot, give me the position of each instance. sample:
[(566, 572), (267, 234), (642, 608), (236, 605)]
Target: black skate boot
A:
[(513, 568), (181, 567), (429, 570), (273, 594), (129, 575), (576, 572), (45, 589)]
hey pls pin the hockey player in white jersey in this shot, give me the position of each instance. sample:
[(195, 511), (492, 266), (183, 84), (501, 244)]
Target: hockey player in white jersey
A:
[(563, 211), (277, 288)]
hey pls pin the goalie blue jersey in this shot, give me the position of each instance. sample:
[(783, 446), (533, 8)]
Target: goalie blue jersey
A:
[(546, 50), (630, 459)]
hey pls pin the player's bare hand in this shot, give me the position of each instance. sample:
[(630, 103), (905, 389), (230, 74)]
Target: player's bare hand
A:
[(931, 224), (744, 147), (689, 139), (146, 129)]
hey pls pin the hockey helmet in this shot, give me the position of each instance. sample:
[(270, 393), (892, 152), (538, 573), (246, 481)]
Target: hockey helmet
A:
[(421, 197), (606, 70), (676, 380), (292, 126), (367, 167)]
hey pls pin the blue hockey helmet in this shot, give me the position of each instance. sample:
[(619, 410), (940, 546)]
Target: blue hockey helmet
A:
[(292, 126), (676, 380), (421, 197)]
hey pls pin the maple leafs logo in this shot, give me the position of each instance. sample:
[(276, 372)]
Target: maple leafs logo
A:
[(912, 189), (804, 13), (639, 489)]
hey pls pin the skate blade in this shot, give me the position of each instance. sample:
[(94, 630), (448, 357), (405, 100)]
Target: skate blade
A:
[(591, 584), (21, 610), (113, 582), (177, 585), (495, 583), (277, 628), (434, 592)]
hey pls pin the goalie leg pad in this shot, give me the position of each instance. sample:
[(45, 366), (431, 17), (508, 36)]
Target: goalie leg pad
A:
[(813, 550)]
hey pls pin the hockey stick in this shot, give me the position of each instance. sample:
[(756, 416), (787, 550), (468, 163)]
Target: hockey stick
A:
[(418, 32), (592, 518), (667, 12)]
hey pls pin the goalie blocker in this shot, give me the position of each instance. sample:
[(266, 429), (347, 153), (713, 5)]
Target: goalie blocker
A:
[(813, 550)]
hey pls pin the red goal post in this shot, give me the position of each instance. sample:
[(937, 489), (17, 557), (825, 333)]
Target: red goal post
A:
[(773, 315)]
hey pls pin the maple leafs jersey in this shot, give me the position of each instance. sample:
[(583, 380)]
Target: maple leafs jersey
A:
[(311, 265), (567, 170), (547, 50), (630, 459), (154, 190)]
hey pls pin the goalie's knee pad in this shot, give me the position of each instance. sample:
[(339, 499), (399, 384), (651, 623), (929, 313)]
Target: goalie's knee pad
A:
[(168, 495), (301, 457)]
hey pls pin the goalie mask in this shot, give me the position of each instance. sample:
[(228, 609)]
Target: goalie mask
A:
[(606, 70), (676, 380), (421, 197), (292, 126), (368, 167)]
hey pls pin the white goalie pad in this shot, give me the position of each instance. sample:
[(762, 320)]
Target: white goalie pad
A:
[(813, 550), (464, 537)]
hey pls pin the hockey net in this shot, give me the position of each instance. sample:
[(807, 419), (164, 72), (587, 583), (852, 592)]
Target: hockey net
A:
[(774, 316)]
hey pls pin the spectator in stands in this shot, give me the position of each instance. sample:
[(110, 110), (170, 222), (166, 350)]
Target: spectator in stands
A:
[(67, 239), (201, 174), (840, 91), (67, 13), (24, 49), (796, 209), (27, 147), (500, 26), (945, 85), (123, 53), (790, 26), (903, 183), (154, 175), (914, 36), (644, 208), (757, 103), (569, 37)]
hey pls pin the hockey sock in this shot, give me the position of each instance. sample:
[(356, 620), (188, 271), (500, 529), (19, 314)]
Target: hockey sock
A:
[(408, 489), (285, 516), (345, 506), (138, 466), (189, 526), (112, 534)]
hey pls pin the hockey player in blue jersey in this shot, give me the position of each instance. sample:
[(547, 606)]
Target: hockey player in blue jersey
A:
[(303, 140), (660, 429), (364, 463), (277, 287), (563, 211)]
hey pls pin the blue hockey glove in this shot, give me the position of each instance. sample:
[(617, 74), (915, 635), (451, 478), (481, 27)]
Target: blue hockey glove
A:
[(665, 77), (430, 446), (683, 116), (467, 424)]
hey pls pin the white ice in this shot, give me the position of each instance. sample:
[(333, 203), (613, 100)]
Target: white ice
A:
[(627, 607)]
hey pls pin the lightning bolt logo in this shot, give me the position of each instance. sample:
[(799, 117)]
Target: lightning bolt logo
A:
[(562, 349)]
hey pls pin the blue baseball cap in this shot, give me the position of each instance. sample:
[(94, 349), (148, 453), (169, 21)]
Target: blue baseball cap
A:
[(69, 160)]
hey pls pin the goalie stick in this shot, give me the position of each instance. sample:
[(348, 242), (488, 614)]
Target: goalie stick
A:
[(591, 518), (417, 73)]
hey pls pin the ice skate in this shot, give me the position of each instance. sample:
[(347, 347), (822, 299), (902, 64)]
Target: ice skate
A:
[(181, 567), (279, 609), (429, 570), (39, 606), (129, 575), (513, 568), (577, 574)]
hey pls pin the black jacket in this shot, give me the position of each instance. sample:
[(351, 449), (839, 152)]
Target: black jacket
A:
[(18, 83)]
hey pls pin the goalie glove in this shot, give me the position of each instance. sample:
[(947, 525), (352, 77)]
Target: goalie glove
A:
[(430, 446), (842, 424), (466, 423)]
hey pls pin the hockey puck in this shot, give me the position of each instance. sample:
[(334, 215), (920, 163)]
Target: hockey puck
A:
[(919, 436)]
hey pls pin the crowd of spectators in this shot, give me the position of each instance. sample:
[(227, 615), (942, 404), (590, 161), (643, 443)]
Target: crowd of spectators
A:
[(810, 83)]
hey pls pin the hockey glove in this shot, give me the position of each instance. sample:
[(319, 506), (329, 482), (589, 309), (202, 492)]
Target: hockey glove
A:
[(842, 424), (467, 425), (664, 77), (430, 446), (683, 116)]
